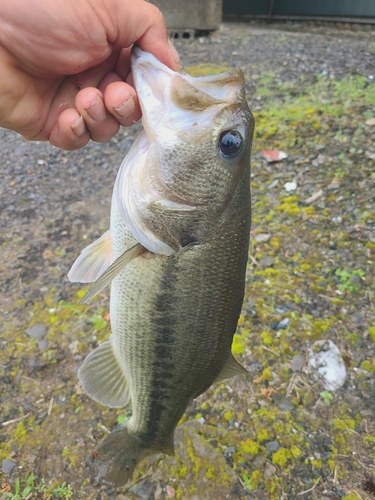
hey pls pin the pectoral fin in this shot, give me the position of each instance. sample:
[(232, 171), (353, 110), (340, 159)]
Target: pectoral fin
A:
[(93, 261), (102, 377), (113, 270), (231, 369)]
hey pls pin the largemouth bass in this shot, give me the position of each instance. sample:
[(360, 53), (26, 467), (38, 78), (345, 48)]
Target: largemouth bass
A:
[(176, 254)]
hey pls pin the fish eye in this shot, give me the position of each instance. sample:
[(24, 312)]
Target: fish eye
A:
[(230, 143)]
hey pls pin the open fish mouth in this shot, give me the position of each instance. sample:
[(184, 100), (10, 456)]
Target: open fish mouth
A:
[(176, 98)]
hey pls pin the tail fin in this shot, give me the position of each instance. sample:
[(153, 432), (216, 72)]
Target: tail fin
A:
[(115, 458)]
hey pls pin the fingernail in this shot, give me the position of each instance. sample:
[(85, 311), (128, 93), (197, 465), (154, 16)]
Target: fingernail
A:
[(78, 127), (96, 111), (174, 53), (126, 108)]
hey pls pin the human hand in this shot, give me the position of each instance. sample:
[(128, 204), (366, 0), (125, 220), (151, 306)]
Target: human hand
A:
[(65, 66)]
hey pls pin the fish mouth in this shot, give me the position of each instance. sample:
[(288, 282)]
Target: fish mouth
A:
[(152, 82), (177, 99)]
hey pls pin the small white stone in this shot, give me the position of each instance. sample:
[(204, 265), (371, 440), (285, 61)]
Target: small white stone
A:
[(262, 237), (290, 186), (326, 364)]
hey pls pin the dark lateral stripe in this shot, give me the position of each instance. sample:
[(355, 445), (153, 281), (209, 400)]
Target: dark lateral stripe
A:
[(165, 337)]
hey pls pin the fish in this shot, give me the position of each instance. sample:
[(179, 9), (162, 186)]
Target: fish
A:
[(175, 255)]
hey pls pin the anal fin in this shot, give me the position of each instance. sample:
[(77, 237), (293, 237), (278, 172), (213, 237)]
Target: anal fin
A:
[(231, 369), (102, 377)]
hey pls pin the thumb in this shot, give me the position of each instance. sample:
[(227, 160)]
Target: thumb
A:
[(141, 23)]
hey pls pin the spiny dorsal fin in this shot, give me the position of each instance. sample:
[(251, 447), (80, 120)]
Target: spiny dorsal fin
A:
[(93, 261), (114, 269), (231, 369)]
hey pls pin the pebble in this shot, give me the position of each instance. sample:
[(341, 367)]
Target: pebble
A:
[(370, 155), (281, 309), (326, 364), (271, 447), (262, 237), (284, 323), (144, 490), (41, 416), (280, 325), (337, 219), (42, 344), (7, 466), (269, 470), (290, 186), (367, 413), (266, 261), (36, 331), (297, 362), (284, 403), (357, 317)]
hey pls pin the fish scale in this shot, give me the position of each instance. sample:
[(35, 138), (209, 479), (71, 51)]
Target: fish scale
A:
[(198, 310)]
